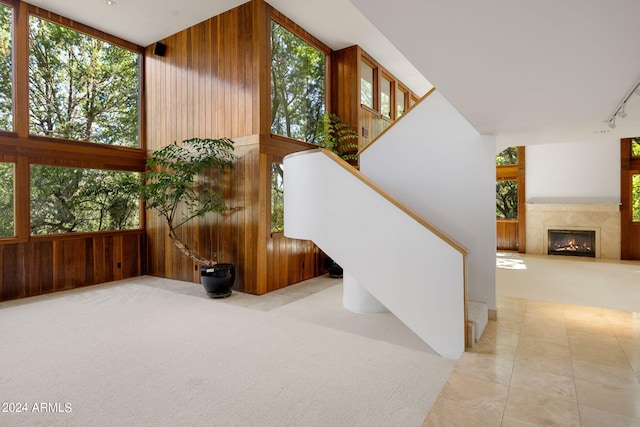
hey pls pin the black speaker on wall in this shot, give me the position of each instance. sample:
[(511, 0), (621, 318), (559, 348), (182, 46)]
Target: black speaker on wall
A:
[(159, 49)]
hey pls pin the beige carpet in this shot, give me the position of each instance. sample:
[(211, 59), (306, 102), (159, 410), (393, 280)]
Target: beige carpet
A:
[(154, 352)]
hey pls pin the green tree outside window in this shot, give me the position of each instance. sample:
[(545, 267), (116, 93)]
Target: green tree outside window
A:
[(81, 88), (297, 86)]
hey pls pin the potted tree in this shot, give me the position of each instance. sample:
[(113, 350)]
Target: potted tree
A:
[(176, 187)]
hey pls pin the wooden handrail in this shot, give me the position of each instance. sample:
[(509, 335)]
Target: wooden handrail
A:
[(346, 166), (433, 89)]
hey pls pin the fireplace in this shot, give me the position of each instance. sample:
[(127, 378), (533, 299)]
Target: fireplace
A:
[(572, 243)]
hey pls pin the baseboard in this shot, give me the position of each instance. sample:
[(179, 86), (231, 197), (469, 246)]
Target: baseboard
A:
[(493, 314), (471, 334)]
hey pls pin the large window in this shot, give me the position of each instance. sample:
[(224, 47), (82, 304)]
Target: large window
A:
[(81, 88), (366, 84), (508, 156), (385, 97), (507, 199), (635, 147), (401, 97), (6, 67), (6, 199), (298, 72), (65, 200), (277, 198), (507, 184)]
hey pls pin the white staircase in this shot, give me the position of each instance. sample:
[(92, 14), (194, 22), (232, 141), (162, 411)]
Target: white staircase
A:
[(410, 267)]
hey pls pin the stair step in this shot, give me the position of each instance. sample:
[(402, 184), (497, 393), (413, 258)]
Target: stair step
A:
[(478, 313)]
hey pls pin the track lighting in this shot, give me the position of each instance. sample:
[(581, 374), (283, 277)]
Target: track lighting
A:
[(621, 113), (620, 108)]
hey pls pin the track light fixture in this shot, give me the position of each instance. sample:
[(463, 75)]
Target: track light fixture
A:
[(620, 108), (621, 113)]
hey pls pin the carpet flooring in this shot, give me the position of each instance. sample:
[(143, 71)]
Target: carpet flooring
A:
[(156, 352)]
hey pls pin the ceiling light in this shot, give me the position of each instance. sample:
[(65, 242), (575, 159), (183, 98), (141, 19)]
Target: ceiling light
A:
[(110, 3), (621, 113), (612, 124)]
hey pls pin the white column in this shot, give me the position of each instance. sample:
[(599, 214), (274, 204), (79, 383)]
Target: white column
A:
[(357, 299)]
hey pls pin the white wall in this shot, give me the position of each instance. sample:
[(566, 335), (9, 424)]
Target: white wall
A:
[(436, 164), (407, 268), (577, 172)]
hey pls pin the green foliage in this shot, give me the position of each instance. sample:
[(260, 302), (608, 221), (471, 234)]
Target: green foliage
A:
[(508, 157), (507, 199), (277, 198), (635, 147), (81, 88), (66, 200), (6, 66), (179, 184), (297, 86), (6, 200), (338, 137)]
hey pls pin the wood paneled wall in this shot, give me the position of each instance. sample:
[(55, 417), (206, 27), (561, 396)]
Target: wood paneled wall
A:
[(213, 82), (507, 232), (57, 263), (345, 102)]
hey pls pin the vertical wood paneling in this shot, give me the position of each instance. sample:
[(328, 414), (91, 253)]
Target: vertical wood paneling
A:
[(507, 232), (67, 262)]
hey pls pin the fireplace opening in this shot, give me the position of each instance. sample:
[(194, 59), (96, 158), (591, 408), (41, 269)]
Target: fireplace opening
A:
[(572, 243)]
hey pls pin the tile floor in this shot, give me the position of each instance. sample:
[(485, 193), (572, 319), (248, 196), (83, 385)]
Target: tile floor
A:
[(547, 364)]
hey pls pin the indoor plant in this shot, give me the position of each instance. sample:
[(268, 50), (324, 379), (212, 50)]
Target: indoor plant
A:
[(338, 136), (176, 187), (341, 139)]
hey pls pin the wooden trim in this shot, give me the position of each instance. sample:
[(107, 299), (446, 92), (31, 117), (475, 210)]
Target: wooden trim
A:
[(346, 166), (493, 314), (522, 208), (85, 29), (396, 121)]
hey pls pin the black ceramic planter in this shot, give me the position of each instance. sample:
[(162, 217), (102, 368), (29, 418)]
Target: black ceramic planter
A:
[(218, 280), (333, 268)]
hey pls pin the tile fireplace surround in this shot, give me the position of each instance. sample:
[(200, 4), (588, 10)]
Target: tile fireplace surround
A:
[(603, 218)]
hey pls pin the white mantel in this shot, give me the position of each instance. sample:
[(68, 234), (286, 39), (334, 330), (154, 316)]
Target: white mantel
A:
[(603, 218)]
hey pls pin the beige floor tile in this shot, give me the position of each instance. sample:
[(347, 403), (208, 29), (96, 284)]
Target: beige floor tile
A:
[(472, 391), (488, 367), (591, 417), (586, 313), (542, 382), (544, 361), (508, 324), (545, 331), (631, 349), (540, 409), (556, 348), (598, 326), (486, 346), (606, 374), (608, 398), (514, 422), (626, 328), (598, 349), (501, 336), (446, 412)]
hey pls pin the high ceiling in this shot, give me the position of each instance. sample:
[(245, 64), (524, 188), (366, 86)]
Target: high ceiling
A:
[(536, 67)]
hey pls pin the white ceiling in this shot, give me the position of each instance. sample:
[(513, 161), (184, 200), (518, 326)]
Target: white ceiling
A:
[(507, 66)]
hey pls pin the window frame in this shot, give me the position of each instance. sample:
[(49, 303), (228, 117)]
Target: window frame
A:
[(317, 44), (25, 149), (375, 99)]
